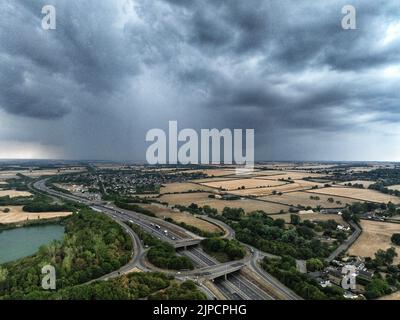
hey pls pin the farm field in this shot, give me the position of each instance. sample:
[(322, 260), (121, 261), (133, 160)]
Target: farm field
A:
[(16, 214), (376, 235), (230, 185), (219, 172), (358, 194), (393, 296), (365, 183), (163, 212), (182, 187), (395, 187), (312, 217), (12, 174), (202, 199), (297, 185), (293, 175), (14, 193), (303, 198)]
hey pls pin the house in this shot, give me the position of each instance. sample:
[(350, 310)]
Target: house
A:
[(305, 211), (331, 211), (342, 228)]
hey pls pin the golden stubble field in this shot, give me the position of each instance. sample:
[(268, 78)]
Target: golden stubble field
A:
[(297, 185), (303, 198), (12, 174), (202, 199), (375, 235), (14, 193), (163, 212), (250, 183), (365, 183), (358, 194), (395, 187), (183, 187), (16, 214), (312, 217)]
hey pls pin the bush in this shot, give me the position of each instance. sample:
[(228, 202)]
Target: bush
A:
[(396, 238), (164, 256)]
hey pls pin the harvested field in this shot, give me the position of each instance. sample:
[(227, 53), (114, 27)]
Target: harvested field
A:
[(14, 193), (182, 187), (219, 172), (395, 187), (376, 235), (239, 183), (216, 179), (365, 183), (12, 174), (293, 175), (312, 217), (298, 185), (163, 212), (202, 199), (38, 173), (358, 194), (16, 214), (393, 296), (303, 198)]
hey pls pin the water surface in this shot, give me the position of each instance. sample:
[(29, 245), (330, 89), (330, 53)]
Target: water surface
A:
[(22, 242)]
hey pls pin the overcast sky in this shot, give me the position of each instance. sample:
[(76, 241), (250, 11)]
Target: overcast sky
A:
[(114, 69)]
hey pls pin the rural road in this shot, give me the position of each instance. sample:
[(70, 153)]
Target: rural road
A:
[(347, 243)]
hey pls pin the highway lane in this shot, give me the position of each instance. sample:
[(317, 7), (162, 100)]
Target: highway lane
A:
[(249, 288), (127, 215), (272, 282), (238, 283), (275, 284)]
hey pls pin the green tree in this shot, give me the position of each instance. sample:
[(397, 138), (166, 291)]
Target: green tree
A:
[(294, 219), (314, 264), (396, 238)]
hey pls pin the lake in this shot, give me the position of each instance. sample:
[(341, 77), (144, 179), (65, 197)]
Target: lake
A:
[(22, 242)]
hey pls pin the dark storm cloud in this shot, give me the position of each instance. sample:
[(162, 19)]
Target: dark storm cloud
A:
[(119, 68), (50, 67)]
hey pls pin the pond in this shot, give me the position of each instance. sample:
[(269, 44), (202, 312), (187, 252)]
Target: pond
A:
[(22, 242)]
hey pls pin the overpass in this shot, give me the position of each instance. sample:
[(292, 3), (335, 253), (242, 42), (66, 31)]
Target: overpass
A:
[(184, 243), (219, 270)]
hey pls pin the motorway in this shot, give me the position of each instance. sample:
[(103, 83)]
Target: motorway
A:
[(234, 286)]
